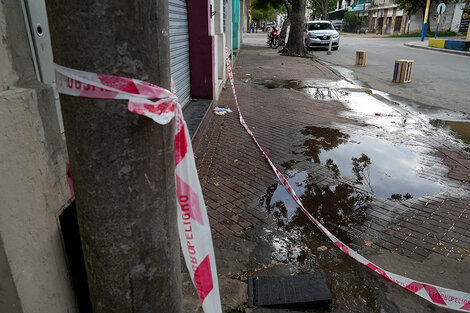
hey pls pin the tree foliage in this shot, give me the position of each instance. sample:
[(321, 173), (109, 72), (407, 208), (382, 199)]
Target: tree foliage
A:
[(413, 6), (267, 9), (352, 22), (322, 6)]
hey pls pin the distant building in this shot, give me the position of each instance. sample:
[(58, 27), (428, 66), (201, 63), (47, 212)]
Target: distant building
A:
[(386, 17)]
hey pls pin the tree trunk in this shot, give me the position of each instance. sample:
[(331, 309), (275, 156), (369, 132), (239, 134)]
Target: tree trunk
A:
[(286, 24), (325, 10), (295, 44), (282, 36), (122, 163)]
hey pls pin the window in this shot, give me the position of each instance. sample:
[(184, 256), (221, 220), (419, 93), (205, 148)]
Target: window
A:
[(397, 23), (320, 26)]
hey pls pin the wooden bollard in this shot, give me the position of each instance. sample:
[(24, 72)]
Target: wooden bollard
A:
[(402, 71), (361, 57)]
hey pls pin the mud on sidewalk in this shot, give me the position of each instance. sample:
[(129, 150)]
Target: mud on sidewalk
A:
[(372, 169)]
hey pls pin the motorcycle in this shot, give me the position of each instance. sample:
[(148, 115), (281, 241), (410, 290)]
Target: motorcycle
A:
[(274, 38)]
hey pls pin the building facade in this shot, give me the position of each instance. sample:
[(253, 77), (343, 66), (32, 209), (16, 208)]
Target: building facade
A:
[(386, 17)]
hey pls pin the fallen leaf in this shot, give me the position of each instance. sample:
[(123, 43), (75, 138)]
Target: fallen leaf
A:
[(216, 183), (322, 248), (235, 160), (368, 243), (264, 266)]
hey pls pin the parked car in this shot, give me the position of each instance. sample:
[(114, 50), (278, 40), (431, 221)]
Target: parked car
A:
[(318, 33)]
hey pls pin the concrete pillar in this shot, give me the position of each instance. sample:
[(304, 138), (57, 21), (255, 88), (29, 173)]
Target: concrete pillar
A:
[(394, 18), (122, 164), (371, 20), (404, 22)]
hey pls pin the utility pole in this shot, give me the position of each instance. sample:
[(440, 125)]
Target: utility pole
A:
[(249, 25), (122, 164), (426, 14)]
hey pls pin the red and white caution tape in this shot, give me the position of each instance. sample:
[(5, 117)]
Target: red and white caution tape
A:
[(440, 296), (193, 223)]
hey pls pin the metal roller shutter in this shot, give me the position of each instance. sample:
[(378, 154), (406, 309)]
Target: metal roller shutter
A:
[(179, 48)]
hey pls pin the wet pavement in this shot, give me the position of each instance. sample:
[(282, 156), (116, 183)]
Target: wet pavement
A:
[(386, 176)]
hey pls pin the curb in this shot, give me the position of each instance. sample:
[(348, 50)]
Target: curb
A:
[(418, 46)]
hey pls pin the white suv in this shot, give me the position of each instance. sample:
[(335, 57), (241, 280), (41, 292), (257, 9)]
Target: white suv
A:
[(317, 34)]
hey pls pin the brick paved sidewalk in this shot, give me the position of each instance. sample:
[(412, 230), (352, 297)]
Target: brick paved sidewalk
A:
[(237, 181)]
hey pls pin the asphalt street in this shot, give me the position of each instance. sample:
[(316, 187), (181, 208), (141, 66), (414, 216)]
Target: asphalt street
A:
[(439, 79)]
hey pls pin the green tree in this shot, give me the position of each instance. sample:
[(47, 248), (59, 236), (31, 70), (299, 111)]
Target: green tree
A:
[(352, 22), (412, 6), (296, 16), (275, 7), (266, 10), (323, 6)]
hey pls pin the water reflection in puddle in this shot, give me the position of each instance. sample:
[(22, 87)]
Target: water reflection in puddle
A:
[(385, 169), (337, 207), (317, 89), (302, 245), (381, 168)]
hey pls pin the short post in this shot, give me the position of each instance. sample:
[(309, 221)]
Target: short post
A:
[(330, 44), (361, 57), (441, 8), (402, 71), (437, 27)]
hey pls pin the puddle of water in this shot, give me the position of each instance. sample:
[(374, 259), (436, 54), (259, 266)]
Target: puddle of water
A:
[(385, 169), (394, 121), (279, 83), (302, 83), (346, 73), (353, 288), (322, 138), (366, 104), (336, 207), (325, 93), (388, 170), (461, 129), (368, 109)]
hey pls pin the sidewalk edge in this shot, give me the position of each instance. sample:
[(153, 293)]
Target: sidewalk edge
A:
[(414, 45)]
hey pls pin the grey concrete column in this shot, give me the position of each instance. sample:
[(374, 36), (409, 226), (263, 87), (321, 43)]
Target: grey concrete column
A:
[(122, 164)]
